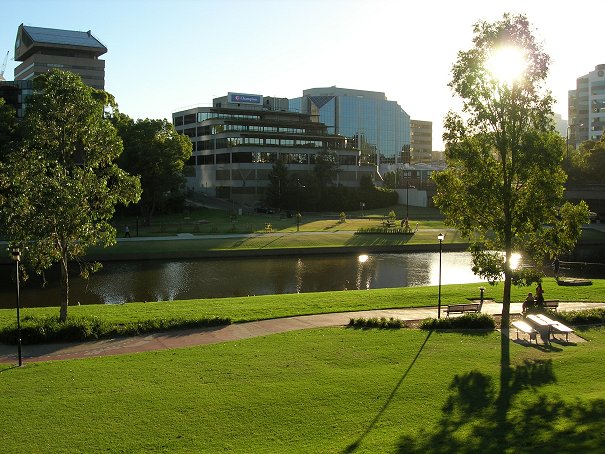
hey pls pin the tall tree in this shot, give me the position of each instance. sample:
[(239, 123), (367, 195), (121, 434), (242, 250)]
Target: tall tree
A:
[(8, 128), (60, 186), (503, 188), (154, 150), (278, 191)]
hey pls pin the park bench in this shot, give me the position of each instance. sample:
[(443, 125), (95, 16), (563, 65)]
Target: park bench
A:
[(526, 328), (462, 308), (551, 304)]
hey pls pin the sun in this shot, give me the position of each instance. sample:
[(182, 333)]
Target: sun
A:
[(507, 64)]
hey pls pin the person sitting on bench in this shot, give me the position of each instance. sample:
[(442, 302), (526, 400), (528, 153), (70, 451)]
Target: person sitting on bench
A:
[(528, 304)]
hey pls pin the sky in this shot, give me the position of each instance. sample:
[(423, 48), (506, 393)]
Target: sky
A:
[(167, 55)]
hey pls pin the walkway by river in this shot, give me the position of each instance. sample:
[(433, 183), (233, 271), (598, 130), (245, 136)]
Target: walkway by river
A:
[(239, 331)]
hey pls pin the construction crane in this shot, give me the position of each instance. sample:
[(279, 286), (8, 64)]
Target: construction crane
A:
[(3, 67)]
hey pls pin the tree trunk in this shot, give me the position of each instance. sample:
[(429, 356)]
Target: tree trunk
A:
[(64, 289)]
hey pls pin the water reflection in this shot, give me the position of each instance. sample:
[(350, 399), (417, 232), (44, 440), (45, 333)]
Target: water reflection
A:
[(121, 282)]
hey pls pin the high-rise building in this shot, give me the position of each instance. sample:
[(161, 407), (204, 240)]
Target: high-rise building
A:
[(586, 107), (421, 137), (381, 128), (237, 141), (41, 49)]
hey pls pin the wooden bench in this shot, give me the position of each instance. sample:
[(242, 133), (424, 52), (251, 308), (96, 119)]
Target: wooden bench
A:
[(526, 328), (462, 308), (551, 304)]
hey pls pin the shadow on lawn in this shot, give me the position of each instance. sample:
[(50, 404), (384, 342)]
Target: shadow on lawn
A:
[(476, 418), (353, 446)]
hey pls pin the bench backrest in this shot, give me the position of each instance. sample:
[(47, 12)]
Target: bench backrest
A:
[(463, 307)]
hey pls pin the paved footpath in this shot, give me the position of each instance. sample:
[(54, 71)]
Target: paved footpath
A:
[(204, 336)]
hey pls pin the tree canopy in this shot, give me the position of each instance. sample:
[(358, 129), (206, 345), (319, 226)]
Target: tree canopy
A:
[(155, 151), (503, 187), (60, 185)]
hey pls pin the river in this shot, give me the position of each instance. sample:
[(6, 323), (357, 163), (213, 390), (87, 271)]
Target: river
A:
[(167, 280)]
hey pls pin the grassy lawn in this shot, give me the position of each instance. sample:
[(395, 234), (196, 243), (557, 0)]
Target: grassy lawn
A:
[(326, 391), (273, 306), (304, 240), (205, 221)]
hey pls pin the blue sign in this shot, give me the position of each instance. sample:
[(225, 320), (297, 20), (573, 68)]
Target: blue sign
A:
[(242, 98)]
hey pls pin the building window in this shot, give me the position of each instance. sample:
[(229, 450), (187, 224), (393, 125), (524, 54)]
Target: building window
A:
[(242, 157), (190, 118), (223, 158)]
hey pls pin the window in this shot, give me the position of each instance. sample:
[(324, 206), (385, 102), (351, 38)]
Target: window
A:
[(190, 118), (242, 157), (223, 158), (206, 159), (178, 121)]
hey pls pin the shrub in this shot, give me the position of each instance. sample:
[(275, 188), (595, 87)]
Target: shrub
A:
[(584, 317), (466, 321), (382, 323), (37, 330)]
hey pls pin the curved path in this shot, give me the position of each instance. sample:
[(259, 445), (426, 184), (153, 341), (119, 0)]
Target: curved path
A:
[(237, 331)]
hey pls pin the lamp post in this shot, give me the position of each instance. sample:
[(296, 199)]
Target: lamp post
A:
[(16, 256), (407, 200), (440, 237), (298, 215)]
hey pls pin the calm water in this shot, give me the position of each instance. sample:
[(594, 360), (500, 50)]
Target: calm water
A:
[(121, 282)]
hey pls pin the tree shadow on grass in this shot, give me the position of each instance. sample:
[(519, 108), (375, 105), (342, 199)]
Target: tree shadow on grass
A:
[(353, 446), (474, 419)]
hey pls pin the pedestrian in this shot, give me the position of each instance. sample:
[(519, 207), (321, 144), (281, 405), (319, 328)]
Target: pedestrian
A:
[(539, 295), (555, 267), (528, 303), (126, 232)]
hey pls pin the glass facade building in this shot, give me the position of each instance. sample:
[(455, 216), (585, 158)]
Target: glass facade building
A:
[(379, 127)]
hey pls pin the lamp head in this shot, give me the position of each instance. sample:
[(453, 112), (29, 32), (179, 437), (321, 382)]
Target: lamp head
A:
[(441, 237), (16, 253)]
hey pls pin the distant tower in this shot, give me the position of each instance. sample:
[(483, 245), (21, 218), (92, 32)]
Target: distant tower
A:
[(586, 107), (41, 49)]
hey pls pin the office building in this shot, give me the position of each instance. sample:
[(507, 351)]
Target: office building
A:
[(41, 49), (15, 92), (379, 127), (586, 107), (237, 141), (421, 138)]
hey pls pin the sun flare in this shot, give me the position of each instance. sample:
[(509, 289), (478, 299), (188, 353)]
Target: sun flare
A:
[(507, 64)]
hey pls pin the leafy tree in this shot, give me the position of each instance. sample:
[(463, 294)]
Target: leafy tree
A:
[(503, 188), (588, 163), (156, 152), (8, 128), (278, 192), (60, 186), (326, 167)]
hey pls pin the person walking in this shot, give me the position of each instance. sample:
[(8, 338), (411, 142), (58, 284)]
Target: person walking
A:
[(126, 232)]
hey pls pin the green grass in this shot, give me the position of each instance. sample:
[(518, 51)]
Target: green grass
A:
[(251, 308), (287, 240), (211, 221), (326, 391)]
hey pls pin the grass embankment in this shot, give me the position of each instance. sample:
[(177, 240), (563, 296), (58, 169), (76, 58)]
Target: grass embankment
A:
[(327, 390), (242, 309)]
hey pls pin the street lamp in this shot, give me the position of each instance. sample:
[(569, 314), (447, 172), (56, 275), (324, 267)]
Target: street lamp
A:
[(407, 200), (298, 215), (440, 237), (16, 256)]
